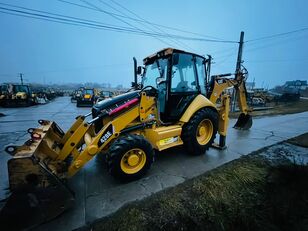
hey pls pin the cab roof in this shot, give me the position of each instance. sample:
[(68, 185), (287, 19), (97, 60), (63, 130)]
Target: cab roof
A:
[(164, 53)]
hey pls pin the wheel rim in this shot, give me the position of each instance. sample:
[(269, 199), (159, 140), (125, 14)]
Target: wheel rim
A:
[(204, 132), (133, 161)]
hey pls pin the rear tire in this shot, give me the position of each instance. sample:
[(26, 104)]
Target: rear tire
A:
[(200, 131), (129, 158)]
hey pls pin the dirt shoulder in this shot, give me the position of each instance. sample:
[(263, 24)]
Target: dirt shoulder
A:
[(266, 190), (280, 109), (301, 140)]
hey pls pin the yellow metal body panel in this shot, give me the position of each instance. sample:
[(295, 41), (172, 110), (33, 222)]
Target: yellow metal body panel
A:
[(157, 136), (242, 101), (199, 102), (224, 115), (21, 95), (73, 140), (77, 123), (147, 107)]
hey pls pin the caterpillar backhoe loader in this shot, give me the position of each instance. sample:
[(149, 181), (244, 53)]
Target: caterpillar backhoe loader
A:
[(15, 95), (87, 97), (175, 104)]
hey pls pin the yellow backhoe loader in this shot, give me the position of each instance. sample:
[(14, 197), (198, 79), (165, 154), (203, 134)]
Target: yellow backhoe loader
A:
[(174, 105), (87, 97), (15, 95)]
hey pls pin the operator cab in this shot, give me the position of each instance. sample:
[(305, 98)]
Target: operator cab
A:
[(21, 88), (178, 76)]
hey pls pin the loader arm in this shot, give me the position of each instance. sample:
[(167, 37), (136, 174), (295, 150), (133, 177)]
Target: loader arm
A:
[(97, 143), (64, 154)]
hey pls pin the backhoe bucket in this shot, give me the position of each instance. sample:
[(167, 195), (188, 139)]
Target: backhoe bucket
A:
[(38, 191), (244, 122)]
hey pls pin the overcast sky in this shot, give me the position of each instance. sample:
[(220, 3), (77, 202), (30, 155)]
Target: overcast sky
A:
[(49, 52)]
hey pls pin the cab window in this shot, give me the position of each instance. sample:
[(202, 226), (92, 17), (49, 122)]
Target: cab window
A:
[(201, 74), (183, 78), (154, 72)]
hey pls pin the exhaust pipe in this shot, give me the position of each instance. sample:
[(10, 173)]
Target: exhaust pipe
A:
[(135, 73)]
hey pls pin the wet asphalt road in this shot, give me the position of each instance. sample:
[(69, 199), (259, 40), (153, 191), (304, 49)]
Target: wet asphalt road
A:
[(98, 194)]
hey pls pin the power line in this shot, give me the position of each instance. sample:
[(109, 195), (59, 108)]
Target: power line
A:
[(116, 17), (277, 60), (272, 44), (66, 21), (32, 17), (61, 15), (149, 24), (138, 20), (62, 20), (71, 69), (226, 57), (278, 35), (88, 24), (126, 15)]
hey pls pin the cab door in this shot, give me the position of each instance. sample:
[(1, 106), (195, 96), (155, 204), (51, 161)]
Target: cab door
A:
[(184, 86)]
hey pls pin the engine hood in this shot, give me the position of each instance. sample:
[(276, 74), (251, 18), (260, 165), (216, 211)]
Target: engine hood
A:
[(111, 103)]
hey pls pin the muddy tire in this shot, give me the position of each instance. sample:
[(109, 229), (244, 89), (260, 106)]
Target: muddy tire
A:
[(200, 132), (129, 158)]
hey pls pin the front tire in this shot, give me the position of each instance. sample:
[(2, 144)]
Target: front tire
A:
[(129, 158), (200, 131)]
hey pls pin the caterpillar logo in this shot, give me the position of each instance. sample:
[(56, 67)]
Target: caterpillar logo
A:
[(106, 135)]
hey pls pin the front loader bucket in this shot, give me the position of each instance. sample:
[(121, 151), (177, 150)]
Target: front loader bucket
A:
[(244, 122), (38, 191), (31, 206)]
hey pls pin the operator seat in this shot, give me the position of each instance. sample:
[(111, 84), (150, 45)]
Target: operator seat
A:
[(182, 86)]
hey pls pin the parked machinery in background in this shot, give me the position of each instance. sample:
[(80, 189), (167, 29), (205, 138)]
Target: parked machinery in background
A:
[(14, 95), (76, 94), (104, 95), (88, 98)]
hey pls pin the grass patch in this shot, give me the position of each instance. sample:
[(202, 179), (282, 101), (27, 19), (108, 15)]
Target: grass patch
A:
[(245, 194)]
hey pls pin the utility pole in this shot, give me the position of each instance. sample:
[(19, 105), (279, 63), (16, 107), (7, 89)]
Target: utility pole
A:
[(239, 54), (238, 65), (21, 79)]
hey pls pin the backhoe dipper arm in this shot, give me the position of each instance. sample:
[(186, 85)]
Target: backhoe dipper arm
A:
[(218, 84), (241, 95), (221, 83)]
